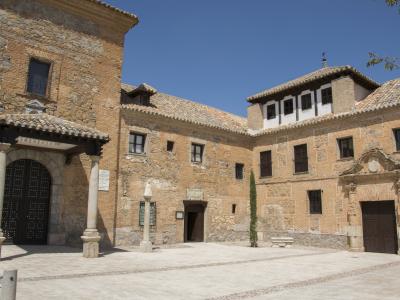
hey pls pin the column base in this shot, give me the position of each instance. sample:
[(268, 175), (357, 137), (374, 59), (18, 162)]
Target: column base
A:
[(2, 239), (146, 246), (91, 238)]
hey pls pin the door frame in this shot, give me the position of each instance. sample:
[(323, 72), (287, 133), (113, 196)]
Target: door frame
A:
[(187, 203)]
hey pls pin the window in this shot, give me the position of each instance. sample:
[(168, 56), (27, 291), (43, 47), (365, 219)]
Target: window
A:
[(233, 209), (315, 201), (38, 77), (346, 147), (136, 143), (326, 95), (170, 146), (265, 164), (288, 107), (197, 153), (271, 112), (397, 138), (306, 102), (239, 171), (152, 213), (300, 159)]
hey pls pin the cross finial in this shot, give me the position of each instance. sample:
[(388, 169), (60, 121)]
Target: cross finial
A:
[(324, 60)]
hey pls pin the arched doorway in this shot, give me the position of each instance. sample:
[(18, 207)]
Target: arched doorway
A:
[(26, 202)]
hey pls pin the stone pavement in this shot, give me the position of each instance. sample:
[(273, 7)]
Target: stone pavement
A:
[(203, 271)]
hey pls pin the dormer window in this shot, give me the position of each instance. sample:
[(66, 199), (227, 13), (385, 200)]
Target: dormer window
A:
[(141, 95), (326, 95), (288, 107), (306, 102), (271, 112)]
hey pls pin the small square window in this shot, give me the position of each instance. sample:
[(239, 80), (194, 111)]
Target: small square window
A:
[(38, 77), (271, 112), (239, 171), (314, 198), (197, 153), (233, 209), (397, 138), (152, 213), (136, 143), (326, 95), (288, 107), (346, 147), (306, 102), (170, 146)]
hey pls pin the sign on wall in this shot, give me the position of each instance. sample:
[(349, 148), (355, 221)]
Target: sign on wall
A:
[(104, 180), (194, 194)]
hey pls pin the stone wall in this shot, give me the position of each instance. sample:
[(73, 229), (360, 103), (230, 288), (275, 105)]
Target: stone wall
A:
[(172, 174)]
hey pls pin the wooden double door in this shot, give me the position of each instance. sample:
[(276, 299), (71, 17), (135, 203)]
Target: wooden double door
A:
[(379, 226), (26, 203)]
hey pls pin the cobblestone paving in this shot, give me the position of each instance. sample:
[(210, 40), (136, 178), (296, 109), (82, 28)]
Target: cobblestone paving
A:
[(203, 271)]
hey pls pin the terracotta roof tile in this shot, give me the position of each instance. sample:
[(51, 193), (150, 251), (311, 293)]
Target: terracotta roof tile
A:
[(102, 3)]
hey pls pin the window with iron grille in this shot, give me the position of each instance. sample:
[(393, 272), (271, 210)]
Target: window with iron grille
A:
[(197, 153), (346, 147), (265, 164), (326, 95), (239, 171), (152, 213), (271, 112), (300, 158), (315, 201), (38, 77), (288, 107), (136, 143), (306, 102), (170, 146), (397, 138)]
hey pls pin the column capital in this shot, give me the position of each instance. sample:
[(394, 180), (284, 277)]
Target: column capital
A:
[(94, 158), (5, 147)]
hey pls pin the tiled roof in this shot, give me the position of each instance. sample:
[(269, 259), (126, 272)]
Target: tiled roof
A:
[(144, 87), (386, 96), (102, 3), (47, 123), (314, 76), (188, 111)]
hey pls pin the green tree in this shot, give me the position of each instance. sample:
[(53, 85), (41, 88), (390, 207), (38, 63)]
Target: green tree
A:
[(389, 62), (253, 211)]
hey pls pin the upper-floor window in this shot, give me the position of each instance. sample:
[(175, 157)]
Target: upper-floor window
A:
[(397, 138), (326, 95), (170, 146), (288, 107), (271, 112), (38, 77), (152, 213), (300, 158), (306, 102), (197, 153), (346, 149), (136, 143), (265, 164), (314, 198), (239, 171)]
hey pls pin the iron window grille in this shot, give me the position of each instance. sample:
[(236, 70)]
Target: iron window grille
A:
[(346, 147), (152, 213), (306, 102), (239, 171), (271, 112), (315, 201), (38, 77), (137, 143), (265, 164), (197, 153), (326, 96), (288, 107), (300, 159)]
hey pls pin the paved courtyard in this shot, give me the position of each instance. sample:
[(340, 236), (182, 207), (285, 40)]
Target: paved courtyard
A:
[(203, 271)]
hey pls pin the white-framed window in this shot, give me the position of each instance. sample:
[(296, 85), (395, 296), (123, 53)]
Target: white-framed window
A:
[(137, 143)]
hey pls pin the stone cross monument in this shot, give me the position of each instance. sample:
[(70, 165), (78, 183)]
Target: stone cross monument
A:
[(145, 244)]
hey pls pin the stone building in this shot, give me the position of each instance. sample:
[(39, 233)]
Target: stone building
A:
[(77, 146)]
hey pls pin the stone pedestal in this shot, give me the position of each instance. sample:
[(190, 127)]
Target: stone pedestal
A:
[(91, 239), (146, 246)]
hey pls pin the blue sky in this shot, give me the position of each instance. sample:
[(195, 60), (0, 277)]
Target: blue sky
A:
[(218, 52)]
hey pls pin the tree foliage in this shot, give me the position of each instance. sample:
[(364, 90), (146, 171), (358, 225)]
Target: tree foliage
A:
[(389, 62), (253, 211)]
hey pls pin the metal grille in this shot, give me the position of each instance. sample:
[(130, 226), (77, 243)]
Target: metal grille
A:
[(26, 202)]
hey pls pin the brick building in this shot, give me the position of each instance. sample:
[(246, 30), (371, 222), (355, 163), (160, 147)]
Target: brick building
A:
[(77, 146)]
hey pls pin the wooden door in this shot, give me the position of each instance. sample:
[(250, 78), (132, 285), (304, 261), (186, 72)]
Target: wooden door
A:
[(379, 227), (194, 223)]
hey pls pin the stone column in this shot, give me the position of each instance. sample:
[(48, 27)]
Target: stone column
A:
[(91, 235), (145, 244), (354, 231), (3, 164)]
